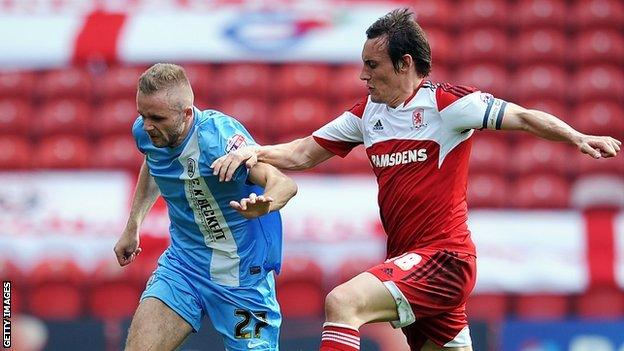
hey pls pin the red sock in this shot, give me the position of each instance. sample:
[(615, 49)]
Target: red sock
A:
[(339, 337)]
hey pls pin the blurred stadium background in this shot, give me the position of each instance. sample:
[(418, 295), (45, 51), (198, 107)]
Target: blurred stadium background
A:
[(548, 221)]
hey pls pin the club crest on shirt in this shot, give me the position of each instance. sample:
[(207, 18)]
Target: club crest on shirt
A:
[(418, 118), (190, 167), (235, 142)]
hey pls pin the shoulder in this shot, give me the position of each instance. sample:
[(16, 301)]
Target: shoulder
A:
[(358, 108), (137, 125), (137, 129), (217, 128), (215, 121), (446, 93)]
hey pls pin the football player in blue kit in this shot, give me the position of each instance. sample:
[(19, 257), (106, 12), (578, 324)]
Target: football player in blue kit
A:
[(223, 252)]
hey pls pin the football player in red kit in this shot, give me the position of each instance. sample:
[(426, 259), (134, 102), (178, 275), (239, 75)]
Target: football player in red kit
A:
[(417, 136)]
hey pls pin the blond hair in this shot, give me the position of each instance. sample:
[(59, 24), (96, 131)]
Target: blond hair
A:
[(165, 76)]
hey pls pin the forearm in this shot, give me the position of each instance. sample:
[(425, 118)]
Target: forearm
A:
[(281, 188), (549, 127), (292, 156), (145, 195)]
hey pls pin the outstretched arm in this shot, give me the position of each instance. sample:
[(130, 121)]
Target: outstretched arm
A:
[(145, 195), (549, 127), (299, 154), (278, 189)]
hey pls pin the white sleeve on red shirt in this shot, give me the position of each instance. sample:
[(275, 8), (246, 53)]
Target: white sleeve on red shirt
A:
[(344, 133), (470, 109)]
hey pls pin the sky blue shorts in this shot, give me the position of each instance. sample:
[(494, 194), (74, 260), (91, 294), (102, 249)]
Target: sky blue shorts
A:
[(248, 318)]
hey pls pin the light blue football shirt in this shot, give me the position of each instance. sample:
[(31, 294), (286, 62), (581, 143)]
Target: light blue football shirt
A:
[(207, 234)]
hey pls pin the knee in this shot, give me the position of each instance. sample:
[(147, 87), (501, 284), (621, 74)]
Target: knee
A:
[(342, 304)]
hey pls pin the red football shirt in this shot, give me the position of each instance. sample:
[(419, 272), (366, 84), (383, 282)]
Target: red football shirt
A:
[(419, 152)]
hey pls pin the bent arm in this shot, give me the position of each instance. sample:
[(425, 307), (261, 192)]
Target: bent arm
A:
[(145, 195), (276, 185), (296, 155)]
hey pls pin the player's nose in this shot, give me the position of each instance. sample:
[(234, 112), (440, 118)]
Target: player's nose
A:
[(364, 76), (147, 126)]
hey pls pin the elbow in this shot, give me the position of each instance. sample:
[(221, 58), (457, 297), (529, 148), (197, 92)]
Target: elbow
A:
[(291, 187)]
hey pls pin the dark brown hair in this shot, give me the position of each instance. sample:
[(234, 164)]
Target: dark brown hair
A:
[(404, 36)]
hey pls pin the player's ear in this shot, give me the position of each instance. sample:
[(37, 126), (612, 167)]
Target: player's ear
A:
[(188, 113), (406, 63)]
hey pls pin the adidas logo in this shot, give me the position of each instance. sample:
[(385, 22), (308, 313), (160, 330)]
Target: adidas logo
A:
[(388, 271), (378, 125)]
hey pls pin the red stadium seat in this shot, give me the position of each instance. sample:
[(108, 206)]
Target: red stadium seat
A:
[(201, 78), (346, 82), (585, 164), (600, 82), (602, 303), (55, 292), (117, 151), (112, 294), (600, 117), (15, 152), (484, 45), (431, 14), (599, 47), (478, 12), (489, 78), (62, 151), (355, 162), (56, 270), (252, 112), (598, 13), (70, 82), (542, 81), (542, 307), (17, 84), (15, 116), (302, 80), (10, 270), (115, 117), (540, 191), (540, 46), (299, 116), (540, 156), (119, 82), (487, 190), (64, 116), (489, 154), (540, 13), (443, 50), (58, 301), (237, 79), (300, 280), (485, 307)]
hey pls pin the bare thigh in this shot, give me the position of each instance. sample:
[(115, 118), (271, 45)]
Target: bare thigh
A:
[(429, 346), (156, 327)]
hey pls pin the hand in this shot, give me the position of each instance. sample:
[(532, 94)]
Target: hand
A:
[(599, 146), (127, 247), (253, 206), (226, 165)]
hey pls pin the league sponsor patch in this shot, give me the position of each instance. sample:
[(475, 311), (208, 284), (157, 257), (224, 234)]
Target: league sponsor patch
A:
[(235, 142)]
